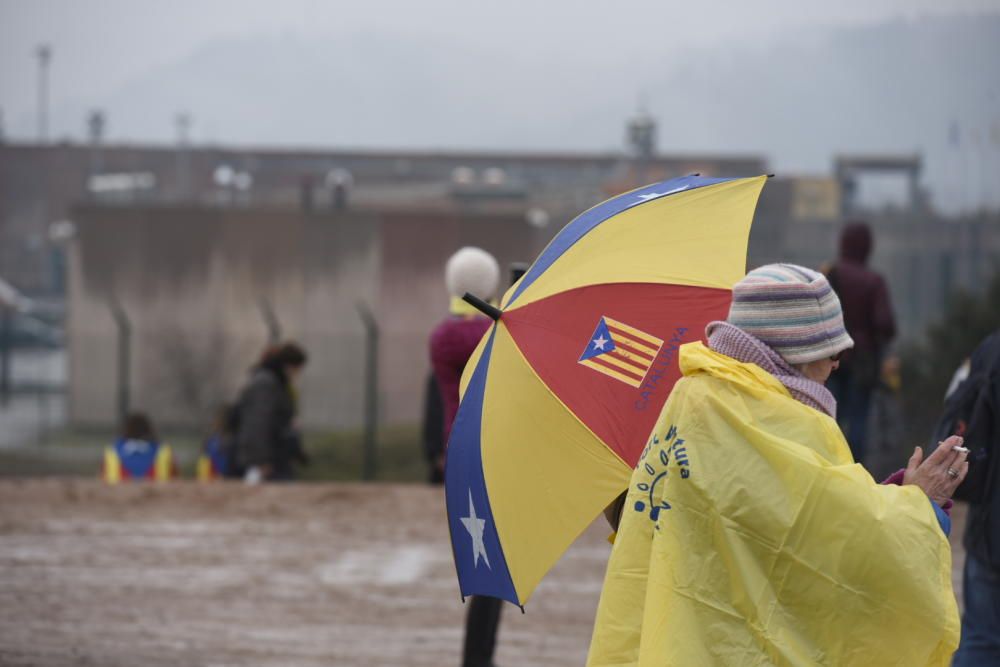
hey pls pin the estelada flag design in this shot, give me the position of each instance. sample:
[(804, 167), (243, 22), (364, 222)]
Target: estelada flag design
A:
[(131, 460), (550, 425), (621, 352)]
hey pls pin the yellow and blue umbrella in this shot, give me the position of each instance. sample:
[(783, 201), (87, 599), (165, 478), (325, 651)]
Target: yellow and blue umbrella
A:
[(562, 392)]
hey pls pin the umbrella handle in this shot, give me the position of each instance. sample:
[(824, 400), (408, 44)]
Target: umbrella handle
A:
[(487, 309)]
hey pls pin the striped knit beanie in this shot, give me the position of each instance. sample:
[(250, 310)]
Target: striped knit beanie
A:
[(791, 309)]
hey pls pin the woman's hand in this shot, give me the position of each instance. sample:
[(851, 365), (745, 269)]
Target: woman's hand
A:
[(941, 472)]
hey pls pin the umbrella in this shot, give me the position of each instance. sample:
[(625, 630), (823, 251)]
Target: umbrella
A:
[(562, 392)]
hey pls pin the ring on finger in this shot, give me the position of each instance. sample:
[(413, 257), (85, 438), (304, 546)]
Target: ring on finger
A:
[(952, 473)]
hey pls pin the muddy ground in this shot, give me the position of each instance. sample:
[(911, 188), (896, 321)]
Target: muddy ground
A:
[(304, 574), (223, 574)]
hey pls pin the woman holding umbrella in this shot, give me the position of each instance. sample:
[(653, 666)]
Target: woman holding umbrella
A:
[(749, 535)]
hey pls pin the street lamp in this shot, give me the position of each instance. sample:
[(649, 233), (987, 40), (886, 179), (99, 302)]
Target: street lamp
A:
[(44, 55)]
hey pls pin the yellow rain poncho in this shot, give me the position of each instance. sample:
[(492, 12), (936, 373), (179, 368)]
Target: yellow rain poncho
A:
[(750, 537)]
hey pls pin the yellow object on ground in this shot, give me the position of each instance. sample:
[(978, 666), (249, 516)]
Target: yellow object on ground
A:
[(203, 469), (750, 537), (164, 467), (112, 470)]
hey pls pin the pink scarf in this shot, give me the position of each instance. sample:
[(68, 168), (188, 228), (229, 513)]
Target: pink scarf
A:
[(732, 341)]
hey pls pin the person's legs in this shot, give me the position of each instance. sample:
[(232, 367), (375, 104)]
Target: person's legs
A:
[(836, 386), (853, 402), (981, 621), (481, 631), (857, 427)]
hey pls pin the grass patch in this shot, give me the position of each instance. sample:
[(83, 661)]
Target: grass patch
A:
[(78, 453), (340, 455), (336, 456)]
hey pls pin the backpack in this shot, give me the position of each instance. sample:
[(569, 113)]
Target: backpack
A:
[(969, 412)]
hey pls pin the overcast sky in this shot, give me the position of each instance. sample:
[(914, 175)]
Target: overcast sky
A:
[(101, 45), (106, 51)]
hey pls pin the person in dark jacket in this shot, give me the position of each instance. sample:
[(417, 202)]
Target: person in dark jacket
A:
[(868, 318), (452, 343), (433, 431), (981, 579), (266, 440)]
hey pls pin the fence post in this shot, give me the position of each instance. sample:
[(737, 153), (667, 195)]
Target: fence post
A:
[(43, 389), (371, 390), (124, 357), (270, 320), (6, 342)]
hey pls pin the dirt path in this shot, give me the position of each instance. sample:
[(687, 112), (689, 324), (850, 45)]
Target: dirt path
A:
[(281, 575), (309, 574)]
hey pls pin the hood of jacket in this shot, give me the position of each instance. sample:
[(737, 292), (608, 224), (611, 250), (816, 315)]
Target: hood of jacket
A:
[(856, 243), (697, 358)]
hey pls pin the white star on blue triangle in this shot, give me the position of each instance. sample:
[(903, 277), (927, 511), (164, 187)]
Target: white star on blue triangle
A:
[(600, 343), (475, 526)]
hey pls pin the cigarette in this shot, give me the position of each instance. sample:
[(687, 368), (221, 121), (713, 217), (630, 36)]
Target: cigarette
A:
[(959, 448)]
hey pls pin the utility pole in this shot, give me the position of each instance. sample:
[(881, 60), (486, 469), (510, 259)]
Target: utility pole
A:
[(183, 123), (44, 55), (370, 455), (124, 327), (96, 122), (6, 334), (641, 140)]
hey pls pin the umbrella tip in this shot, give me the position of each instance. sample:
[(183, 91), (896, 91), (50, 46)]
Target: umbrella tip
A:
[(487, 309), (522, 608), (770, 175), (463, 599)]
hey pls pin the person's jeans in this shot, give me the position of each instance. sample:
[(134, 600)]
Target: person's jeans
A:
[(980, 645), (853, 403)]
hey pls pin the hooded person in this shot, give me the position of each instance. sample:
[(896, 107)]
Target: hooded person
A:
[(749, 536), (868, 319), (452, 342)]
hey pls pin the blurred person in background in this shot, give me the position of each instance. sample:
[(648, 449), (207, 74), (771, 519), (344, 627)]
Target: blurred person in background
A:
[(216, 459), (433, 431), (886, 420), (452, 342), (267, 440), (138, 454), (868, 318), (972, 410)]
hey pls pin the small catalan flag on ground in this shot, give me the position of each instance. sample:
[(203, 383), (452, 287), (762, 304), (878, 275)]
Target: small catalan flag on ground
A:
[(621, 351)]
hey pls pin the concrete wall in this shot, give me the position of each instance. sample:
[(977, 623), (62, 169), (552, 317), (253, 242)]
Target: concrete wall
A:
[(192, 281), (40, 183)]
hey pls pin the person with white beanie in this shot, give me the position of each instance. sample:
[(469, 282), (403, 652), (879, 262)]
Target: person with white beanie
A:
[(452, 342)]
